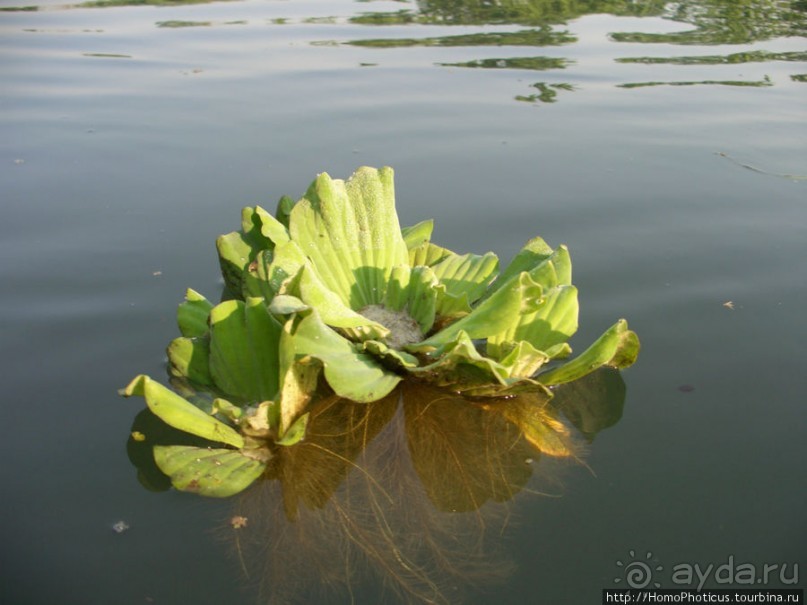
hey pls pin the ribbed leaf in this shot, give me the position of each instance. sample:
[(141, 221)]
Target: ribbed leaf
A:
[(418, 234), (218, 473), (350, 232), (181, 414), (530, 256), (468, 274), (428, 254), (521, 359), (314, 292), (494, 315), (449, 306), (458, 362), (413, 290), (553, 322), (617, 348)]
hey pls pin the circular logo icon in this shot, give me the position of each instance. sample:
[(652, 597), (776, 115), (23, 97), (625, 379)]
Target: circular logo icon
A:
[(637, 572)]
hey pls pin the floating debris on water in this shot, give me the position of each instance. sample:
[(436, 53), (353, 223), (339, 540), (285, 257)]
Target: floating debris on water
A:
[(120, 527)]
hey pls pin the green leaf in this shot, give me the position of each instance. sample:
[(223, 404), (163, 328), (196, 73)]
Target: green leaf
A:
[(546, 267), (618, 347), (391, 357), (521, 359), (190, 358), (530, 256), (428, 255), (451, 307), (351, 373), (271, 228), (468, 274), (285, 304), (553, 322), (181, 414), (418, 234), (226, 409), (413, 290), (284, 206), (350, 232), (272, 270), (462, 368), (244, 341), (295, 433), (238, 249), (493, 316), (332, 310), (193, 313), (234, 256), (458, 361), (218, 473)]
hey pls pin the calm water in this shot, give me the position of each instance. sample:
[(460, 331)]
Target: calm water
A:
[(664, 143)]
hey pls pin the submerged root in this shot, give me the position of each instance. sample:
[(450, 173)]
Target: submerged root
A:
[(392, 502)]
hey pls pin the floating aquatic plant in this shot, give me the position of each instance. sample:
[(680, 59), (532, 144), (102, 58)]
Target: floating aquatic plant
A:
[(332, 291)]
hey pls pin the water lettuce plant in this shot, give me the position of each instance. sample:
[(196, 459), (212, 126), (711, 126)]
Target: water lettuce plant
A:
[(330, 292)]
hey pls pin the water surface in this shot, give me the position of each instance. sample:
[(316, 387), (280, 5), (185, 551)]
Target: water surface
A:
[(664, 143)]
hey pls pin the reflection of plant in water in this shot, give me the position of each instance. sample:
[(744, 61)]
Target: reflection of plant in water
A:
[(727, 22), (544, 36), (547, 92), (532, 63), (331, 292), (754, 56), (522, 12), (715, 21), (411, 493), (116, 3), (763, 83)]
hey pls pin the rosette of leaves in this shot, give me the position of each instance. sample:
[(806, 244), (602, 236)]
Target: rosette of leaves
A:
[(331, 290), (227, 369), (371, 303)]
